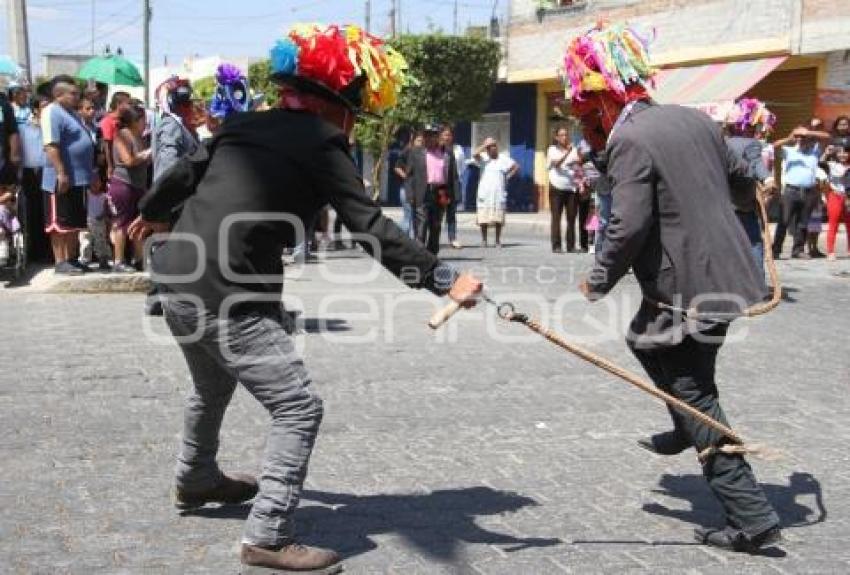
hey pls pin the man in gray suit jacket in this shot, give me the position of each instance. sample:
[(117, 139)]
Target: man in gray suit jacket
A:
[(673, 223)]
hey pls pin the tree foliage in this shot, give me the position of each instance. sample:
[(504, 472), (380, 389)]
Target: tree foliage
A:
[(452, 80), (258, 79), (454, 77), (204, 88)]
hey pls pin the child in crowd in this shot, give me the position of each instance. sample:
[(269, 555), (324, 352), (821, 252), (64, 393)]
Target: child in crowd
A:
[(9, 224), (837, 167), (94, 242)]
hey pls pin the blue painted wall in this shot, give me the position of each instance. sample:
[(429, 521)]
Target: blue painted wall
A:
[(520, 100)]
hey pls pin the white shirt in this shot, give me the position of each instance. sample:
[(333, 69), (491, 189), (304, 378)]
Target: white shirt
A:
[(563, 176), (492, 185), (839, 177), (460, 159)]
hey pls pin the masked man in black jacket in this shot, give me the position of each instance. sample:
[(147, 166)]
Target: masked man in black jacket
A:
[(264, 175)]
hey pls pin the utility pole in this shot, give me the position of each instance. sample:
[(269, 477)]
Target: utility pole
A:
[(398, 18), (368, 15), (92, 26), (454, 25), (18, 31), (146, 16), (392, 18)]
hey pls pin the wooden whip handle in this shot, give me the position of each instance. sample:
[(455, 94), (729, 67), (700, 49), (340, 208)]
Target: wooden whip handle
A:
[(443, 315)]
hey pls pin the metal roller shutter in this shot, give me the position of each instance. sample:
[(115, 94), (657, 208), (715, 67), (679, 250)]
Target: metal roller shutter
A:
[(790, 95)]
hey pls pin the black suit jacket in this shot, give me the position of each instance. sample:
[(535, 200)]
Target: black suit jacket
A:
[(672, 221), (414, 164), (264, 175)]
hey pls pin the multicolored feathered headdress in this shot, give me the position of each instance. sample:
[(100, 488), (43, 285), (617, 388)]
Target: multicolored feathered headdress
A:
[(172, 93), (231, 92), (608, 58), (750, 112), (342, 61)]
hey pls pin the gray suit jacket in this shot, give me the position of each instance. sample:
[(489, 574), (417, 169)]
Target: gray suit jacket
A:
[(748, 152), (673, 223)]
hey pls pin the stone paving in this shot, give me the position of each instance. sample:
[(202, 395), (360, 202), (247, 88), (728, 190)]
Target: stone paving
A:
[(476, 449)]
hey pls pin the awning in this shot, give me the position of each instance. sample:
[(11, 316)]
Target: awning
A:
[(712, 87)]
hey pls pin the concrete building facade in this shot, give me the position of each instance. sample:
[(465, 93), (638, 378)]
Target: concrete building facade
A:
[(801, 49)]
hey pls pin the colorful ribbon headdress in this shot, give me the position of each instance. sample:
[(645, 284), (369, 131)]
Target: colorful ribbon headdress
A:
[(751, 112), (607, 58), (361, 69), (174, 91), (231, 92)]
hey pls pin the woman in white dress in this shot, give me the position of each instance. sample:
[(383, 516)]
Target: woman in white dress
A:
[(492, 187)]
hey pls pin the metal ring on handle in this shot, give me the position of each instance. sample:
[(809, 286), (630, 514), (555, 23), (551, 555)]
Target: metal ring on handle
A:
[(506, 310)]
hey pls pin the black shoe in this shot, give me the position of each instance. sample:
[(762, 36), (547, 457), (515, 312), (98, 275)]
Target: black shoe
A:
[(80, 265), (153, 306), (816, 253), (232, 488), (67, 269), (103, 266), (800, 256), (733, 539), (667, 443)]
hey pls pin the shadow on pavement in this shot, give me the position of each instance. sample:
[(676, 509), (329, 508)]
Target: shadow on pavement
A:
[(434, 523), (321, 325), (705, 509)]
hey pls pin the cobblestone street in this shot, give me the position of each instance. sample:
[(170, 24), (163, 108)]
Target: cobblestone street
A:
[(477, 449)]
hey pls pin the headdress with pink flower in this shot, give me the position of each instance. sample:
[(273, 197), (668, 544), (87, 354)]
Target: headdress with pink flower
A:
[(751, 113), (345, 62), (610, 58)]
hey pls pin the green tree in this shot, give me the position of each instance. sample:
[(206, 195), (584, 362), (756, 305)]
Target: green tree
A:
[(258, 79), (204, 88), (453, 78)]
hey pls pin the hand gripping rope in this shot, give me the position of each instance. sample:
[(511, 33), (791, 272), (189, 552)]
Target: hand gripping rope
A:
[(507, 312)]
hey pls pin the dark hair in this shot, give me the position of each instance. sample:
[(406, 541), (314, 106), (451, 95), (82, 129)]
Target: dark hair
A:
[(117, 99), (555, 134), (447, 128), (838, 121), (129, 116), (39, 101), (62, 79)]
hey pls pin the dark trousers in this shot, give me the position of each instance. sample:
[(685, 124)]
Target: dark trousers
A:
[(797, 207), (686, 371), (752, 226), (418, 219), (31, 215), (434, 225), (569, 201)]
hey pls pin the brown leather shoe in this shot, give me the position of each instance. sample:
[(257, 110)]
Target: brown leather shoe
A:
[(292, 558), (233, 488)]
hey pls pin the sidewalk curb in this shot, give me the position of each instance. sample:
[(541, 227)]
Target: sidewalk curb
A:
[(105, 283)]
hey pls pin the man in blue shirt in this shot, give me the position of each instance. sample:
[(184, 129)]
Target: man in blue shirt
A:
[(68, 173), (799, 192)]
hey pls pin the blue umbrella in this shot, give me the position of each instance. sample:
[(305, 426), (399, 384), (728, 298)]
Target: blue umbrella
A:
[(9, 67)]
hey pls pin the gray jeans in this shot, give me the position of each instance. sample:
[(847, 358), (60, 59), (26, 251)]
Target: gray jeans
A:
[(252, 348)]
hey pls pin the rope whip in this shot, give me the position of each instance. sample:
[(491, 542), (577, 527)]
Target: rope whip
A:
[(506, 311)]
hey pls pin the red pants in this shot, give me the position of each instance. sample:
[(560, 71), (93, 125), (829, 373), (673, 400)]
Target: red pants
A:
[(836, 212)]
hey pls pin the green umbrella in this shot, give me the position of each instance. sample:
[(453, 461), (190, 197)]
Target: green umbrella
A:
[(111, 69)]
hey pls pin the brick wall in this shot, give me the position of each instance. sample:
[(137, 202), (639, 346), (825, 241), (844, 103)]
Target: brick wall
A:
[(686, 30), (838, 70)]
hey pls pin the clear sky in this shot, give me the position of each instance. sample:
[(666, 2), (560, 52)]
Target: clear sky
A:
[(182, 28)]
